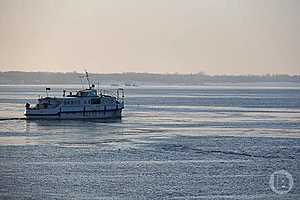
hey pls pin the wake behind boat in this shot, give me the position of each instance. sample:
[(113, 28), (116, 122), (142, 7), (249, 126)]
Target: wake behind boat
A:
[(85, 104)]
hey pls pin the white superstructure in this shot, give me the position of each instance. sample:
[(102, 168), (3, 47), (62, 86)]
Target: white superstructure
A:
[(85, 104)]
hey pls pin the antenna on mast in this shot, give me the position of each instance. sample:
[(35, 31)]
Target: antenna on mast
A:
[(87, 78)]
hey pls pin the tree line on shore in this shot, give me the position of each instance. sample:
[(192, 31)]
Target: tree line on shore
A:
[(19, 77)]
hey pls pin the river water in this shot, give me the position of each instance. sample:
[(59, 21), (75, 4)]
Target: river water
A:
[(179, 142)]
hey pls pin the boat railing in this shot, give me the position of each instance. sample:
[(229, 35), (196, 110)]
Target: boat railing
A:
[(40, 106), (118, 93)]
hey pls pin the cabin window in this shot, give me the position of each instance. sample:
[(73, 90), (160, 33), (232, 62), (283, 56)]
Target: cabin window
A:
[(93, 93), (96, 101)]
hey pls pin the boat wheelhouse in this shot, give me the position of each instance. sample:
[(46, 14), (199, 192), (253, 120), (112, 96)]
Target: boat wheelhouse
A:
[(88, 103)]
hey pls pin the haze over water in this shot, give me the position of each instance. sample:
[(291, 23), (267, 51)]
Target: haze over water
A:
[(164, 36)]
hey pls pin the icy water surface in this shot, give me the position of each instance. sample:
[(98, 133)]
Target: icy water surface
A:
[(172, 143)]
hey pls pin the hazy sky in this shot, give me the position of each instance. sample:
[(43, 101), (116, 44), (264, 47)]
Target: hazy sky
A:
[(214, 36)]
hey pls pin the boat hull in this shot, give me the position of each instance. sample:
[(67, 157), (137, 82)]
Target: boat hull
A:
[(97, 114)]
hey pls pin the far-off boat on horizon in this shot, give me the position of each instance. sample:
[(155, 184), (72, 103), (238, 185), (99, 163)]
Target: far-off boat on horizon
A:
[(85, 104)]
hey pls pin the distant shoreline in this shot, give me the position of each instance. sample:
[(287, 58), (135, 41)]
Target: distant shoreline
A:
[(136, 79)]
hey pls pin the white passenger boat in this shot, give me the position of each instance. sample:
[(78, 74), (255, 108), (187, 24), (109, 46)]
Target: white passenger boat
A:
[(88, 103)]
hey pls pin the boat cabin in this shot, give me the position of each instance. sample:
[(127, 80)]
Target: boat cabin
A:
[(85, 93)]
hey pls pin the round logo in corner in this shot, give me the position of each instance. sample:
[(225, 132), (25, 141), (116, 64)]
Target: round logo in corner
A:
[(281, 182)]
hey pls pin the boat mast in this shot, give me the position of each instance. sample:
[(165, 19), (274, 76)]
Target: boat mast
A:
[(87, 78)]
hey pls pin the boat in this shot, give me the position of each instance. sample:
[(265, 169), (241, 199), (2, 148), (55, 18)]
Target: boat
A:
[(88, 103), (130, 84)]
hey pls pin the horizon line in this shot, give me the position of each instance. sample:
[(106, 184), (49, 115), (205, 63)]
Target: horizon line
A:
[(154, 73)]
